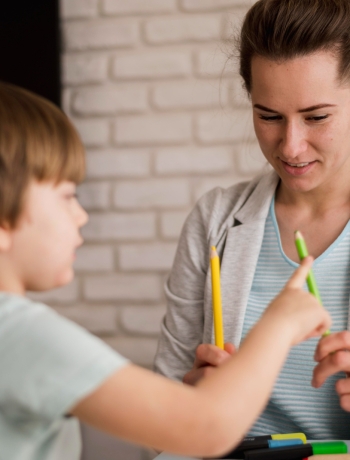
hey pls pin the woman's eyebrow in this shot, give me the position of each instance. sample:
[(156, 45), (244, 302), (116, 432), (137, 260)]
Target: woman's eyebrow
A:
[(315, 107), (307, 109)]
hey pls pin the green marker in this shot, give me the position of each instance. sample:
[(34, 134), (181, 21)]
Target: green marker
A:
[(310, 280)]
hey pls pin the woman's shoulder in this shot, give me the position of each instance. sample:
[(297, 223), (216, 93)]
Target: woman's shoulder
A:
[(224, 202)]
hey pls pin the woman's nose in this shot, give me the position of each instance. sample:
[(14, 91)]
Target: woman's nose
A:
[(293, 142)]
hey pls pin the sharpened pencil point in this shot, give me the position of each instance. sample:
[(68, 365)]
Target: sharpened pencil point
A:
[(298, 235)]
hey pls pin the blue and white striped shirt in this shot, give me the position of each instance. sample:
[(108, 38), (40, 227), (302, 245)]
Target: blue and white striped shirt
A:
[(295, 405)]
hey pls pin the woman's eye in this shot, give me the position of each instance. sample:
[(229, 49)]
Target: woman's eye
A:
[(319, 118), (270, 118)]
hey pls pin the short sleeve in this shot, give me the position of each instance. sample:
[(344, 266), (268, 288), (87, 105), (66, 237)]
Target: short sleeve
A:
[(47, 362)]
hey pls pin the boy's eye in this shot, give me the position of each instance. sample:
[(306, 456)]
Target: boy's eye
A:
[(270, 118), (70, 196)]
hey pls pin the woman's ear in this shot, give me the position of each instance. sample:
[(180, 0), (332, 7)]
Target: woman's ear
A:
[(5, 238)]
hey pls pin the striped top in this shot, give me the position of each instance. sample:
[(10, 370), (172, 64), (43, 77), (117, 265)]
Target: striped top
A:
[(295, 405)]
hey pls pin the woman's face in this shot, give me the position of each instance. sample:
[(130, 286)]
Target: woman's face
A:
[(302, 120)]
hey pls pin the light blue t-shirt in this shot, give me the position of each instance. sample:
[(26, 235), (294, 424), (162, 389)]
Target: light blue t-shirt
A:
[(47, 364), (294, 404)]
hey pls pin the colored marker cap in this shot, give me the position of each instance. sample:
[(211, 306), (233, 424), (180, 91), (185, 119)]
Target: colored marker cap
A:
[(335, 447), (301, 436), (284, 443)]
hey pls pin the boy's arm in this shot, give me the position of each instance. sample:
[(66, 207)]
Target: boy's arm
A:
[(212, 417)]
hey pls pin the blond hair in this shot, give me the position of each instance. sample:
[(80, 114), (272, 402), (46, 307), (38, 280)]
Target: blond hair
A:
[(37, 141)]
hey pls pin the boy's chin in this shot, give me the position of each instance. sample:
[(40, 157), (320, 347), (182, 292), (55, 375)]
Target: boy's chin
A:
[(65, 278), (59, 281)]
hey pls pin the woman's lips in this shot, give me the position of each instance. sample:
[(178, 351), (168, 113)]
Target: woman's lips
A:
[(298, 169)]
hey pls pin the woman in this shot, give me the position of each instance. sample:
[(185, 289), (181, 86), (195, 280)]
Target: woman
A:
[(295, 63)]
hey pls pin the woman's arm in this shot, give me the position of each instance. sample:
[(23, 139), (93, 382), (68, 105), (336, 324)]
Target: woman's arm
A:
[(212, 417)]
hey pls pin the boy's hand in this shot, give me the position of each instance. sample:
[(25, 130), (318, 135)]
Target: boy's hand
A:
[(332, 354), (208, 357), (298, 308)]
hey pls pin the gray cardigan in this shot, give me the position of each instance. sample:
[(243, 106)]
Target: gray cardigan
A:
[(233, 220)]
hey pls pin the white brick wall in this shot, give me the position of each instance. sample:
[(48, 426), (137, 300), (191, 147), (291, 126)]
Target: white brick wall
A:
[(142, 320), (120, 226), (153, 129), (122, 287), (183, 29), (151, 65), (157, 256), (158, 193), (138, 6), (78, 8), (163, 115), (86, 68), (99, 34), (110, 100), (95, 258), (117, 163)]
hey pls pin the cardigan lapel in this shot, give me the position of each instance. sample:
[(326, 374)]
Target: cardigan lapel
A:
[(238, 264), (240, 251)]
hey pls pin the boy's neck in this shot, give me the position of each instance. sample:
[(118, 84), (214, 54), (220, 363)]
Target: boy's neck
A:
[(9, 281)]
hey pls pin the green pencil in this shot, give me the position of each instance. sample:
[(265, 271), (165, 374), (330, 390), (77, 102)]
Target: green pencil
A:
[(310, 280)]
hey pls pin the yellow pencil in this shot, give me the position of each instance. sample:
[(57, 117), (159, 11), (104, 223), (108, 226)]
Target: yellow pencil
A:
[(216, 290)]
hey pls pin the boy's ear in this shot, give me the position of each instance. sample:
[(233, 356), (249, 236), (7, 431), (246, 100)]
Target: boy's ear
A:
[(5, 238)]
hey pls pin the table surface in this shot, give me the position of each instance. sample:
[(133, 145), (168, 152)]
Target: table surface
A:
[(165, 456)]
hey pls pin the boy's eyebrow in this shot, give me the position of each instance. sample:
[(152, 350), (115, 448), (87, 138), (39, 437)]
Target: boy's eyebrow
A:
[(307, 109)]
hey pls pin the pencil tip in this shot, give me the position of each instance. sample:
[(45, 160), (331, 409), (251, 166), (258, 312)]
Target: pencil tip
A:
[(213, 252), (298, 235)]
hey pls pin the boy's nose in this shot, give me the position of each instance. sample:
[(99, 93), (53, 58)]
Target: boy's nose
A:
[(82, 216)]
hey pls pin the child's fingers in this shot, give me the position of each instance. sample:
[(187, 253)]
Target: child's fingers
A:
[(299, 276)]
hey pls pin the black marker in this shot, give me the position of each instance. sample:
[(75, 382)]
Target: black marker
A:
[(262, 442)]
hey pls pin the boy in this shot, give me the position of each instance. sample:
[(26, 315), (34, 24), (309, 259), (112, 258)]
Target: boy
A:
[(53, 371)]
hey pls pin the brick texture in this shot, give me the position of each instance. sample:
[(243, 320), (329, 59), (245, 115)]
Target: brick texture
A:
[(143, 320), (79, 8), (94, 258), (204, 5), (158, 193), (99, 34), (116, 163), (158, 256), (122, 287), (175, 30), (138, 6), (183, 95), (88, 68), (110, 101), (156, 97), (152, 65), (153, 130)]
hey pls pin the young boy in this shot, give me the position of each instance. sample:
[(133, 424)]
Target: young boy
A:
[(52, 371)]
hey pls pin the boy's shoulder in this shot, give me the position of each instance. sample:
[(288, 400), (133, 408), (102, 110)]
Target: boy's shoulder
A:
[(50, 361), (13, 304)]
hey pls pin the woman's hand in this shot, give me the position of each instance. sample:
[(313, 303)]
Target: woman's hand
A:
[(208, 357), (332, 354)]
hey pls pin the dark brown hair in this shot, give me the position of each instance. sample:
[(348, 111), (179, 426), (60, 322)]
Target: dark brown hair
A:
[(37, 141), (285, 29)]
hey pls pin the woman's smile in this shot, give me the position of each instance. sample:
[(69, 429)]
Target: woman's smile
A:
[(298, 169)]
